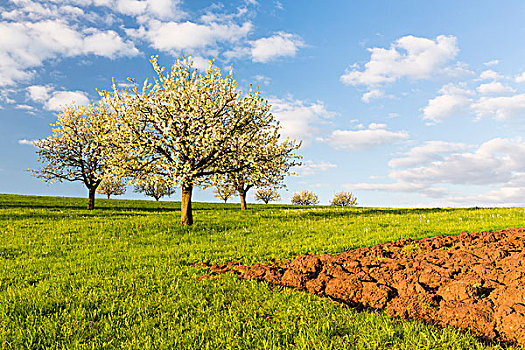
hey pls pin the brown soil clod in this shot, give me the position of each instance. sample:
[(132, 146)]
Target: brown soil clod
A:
[(473, 281)]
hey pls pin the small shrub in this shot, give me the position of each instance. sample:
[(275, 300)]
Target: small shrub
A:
[(344, 199), (305, 198)]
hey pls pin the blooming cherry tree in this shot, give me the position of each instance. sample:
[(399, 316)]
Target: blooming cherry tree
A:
[(155, 186), (112, 186), (186, 126), (274, 162), (224, 191), (344, 199), (75, 151), (267, 195), (305, 197)]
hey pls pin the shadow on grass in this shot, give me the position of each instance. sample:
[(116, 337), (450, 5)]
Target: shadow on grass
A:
[(357, 211), (56, 207), (20, 207), (102, 204)]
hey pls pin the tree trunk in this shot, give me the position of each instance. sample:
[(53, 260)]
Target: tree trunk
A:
[(108, 195), (91, 198), (242, 196), (186, 216)]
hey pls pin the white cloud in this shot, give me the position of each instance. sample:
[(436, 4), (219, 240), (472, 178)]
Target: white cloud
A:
[(36, 11), (429, 152), (237, 52), (139, 9), (279, 45), (444, 106), (490, 75), (39, 93), (491, 63), (453, 100), (53, 100), (495, 161), (494, 87), (263, 79), (377, 126), (354, 140), (27, 45), (409, 56), (299, 119), (500, 108), (520, 78), (498, 163), (372, 94), (457, 99), (26, 142), (200, 63), (399, 187), (310, 168), (504, 196), (158, 9), (458, 70), (62, 98), (25, 107), (35, 32), (174, 36), (107, 44)]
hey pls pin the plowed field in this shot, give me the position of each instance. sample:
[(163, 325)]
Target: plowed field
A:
[(473, 281)]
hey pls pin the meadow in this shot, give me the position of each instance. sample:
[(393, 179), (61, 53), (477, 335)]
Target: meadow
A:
[(123, 275)]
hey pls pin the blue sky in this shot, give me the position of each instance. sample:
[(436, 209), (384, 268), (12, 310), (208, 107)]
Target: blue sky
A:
[(405, 103)]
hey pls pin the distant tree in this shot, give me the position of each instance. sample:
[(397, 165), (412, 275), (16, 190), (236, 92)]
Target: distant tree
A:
[(224, 191), (270, 160), (344, 199), (305, 198), (112, 186), (267, 195), (75, 151), (186, 125), (155, 186)]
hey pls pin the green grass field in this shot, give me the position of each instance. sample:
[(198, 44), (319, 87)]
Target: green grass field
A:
[(122, 276)]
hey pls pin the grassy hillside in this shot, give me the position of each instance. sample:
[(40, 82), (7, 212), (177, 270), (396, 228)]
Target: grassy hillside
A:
[(122, 276)]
